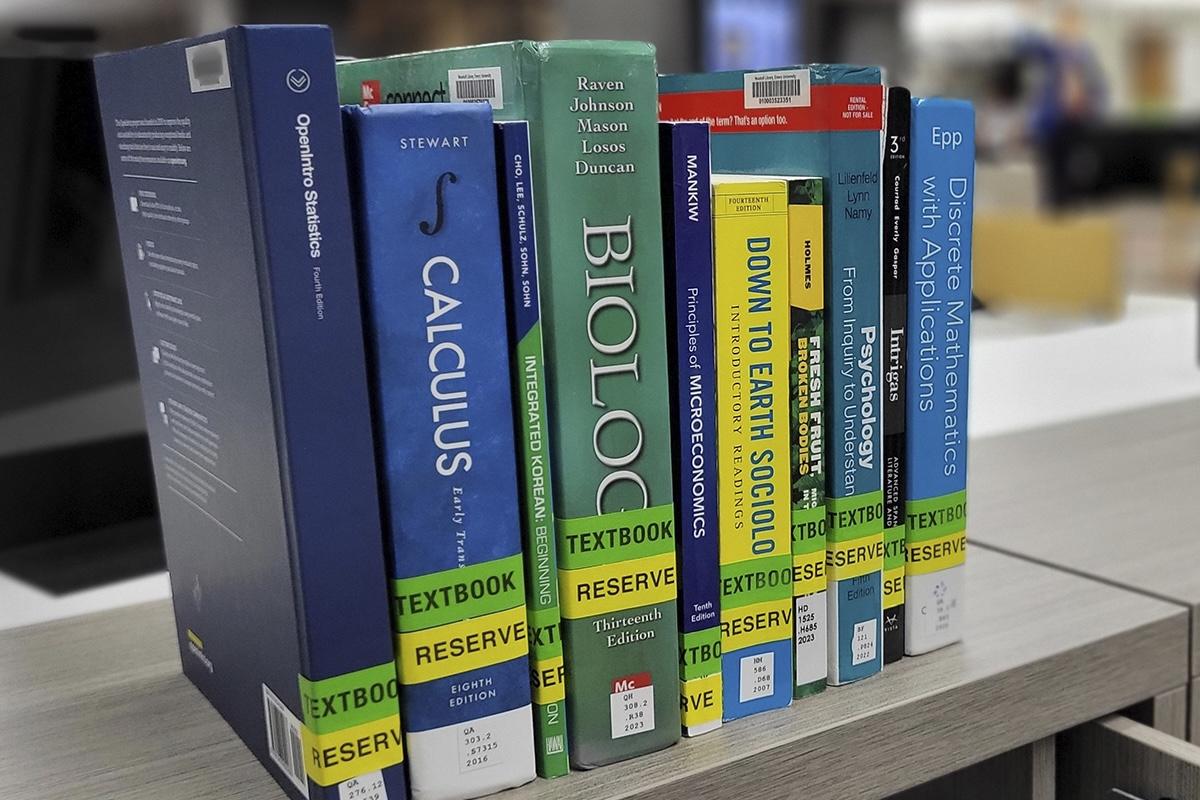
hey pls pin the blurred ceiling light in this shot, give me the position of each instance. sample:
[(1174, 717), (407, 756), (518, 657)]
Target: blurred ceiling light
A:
[(929, 23)]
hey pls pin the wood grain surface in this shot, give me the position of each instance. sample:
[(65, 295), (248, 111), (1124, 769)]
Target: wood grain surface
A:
[(1118, 753), (1168, 712), (1116, 498), (95, 707), (1026, 773), (1194, 712)]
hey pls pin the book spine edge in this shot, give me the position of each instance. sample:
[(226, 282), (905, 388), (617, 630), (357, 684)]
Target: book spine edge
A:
[(806, 213), (535, 476), (588, 748), (768, 575), (688, 247), (895, 323), (844, 159), (445, 746), (308, 370), (936, 519)]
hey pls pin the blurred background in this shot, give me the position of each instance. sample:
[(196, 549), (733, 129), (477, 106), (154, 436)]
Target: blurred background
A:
[(1087, 238)]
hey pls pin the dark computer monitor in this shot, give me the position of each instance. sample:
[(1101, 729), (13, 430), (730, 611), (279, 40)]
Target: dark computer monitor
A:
[(78, 502)]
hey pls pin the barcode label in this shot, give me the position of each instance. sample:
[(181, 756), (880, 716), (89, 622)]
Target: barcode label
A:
[(475, 88), (283, 740), (788, 89), (482, 84)]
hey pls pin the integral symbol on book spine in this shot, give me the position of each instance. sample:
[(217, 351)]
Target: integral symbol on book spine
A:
[(439, 191)]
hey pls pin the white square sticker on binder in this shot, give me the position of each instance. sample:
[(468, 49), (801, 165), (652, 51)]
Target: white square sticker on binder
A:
[(777, 89), (208, 66)]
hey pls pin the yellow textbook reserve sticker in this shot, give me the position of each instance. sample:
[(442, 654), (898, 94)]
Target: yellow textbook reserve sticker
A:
[(333, 757), (854, 557), (756, 624), (932, 555), (893, 587), (700, 700), (608, 588), (462, 646), (808, 573), (548, 683)]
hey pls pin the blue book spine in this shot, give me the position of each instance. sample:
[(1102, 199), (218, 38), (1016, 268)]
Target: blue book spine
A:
[(854, 505), (941, 206), (425, 187), (824, 120), (687, 226), (228, 174)]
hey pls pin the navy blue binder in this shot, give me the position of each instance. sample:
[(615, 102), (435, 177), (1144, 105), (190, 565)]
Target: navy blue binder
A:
[(229, 182)]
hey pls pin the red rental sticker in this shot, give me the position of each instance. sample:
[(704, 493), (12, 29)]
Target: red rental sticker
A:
[(832, 108), (630, 682)]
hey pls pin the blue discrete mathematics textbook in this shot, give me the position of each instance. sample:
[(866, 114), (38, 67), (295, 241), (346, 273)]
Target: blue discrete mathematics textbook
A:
[(824, 120), (229, 181), (941, 204), (424, 183), (687, 228)]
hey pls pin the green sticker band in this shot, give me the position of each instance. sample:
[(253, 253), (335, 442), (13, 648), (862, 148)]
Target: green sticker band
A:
[(544, 639), (700, 653), (551, 754), (893, 547), (452, 595), (535, 471), (756, 580), (616, 536), (935, 517), (354, 698), (808, 530), (851, 517)]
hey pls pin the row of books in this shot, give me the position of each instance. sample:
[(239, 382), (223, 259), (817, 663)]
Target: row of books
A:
[(875, 515), (500, 428)]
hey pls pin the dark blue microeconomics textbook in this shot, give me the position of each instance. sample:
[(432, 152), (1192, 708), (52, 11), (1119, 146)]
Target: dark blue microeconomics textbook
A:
[(687, 230), (425, 188), (229, 181)]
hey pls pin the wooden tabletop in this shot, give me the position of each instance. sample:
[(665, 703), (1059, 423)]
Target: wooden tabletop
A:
[(1115, 498), (95, 707)]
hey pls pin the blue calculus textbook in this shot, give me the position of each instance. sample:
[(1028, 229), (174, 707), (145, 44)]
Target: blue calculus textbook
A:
[(424, 182)]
